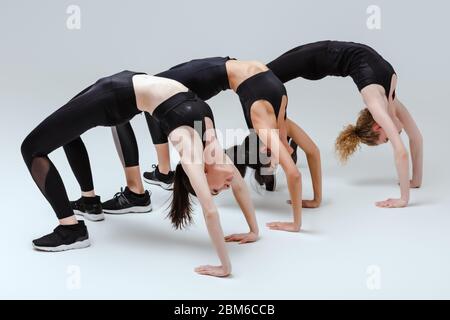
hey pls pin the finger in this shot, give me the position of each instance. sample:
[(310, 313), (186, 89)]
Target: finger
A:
[(212, 271), (233, 237), (244, 241), (248, 240), (204, 273), (203, 267)]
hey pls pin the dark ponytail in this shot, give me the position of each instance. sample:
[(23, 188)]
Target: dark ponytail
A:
[(181, 205)]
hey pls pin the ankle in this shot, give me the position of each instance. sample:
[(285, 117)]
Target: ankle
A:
[(138, 190), (88, 194), (69, 221), (164, 169)]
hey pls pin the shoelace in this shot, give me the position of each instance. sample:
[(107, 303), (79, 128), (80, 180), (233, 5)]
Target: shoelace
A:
[(121, 198), (155, 167)]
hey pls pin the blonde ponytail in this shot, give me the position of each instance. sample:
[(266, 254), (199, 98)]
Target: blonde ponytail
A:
[(347, 142), (349, 139)]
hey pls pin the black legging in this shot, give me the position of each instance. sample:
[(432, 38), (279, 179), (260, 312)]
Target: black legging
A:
[(109, 102), (126, 144)]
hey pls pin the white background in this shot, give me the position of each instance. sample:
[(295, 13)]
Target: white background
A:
[(43, 64)]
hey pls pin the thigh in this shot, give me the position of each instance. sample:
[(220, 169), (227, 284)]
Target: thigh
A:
[(66, 124)]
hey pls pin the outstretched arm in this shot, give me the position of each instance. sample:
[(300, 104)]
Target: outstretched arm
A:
[(377, 105), (192, 161), (415, 142), (281, 155), (242, 196), (314, 163)]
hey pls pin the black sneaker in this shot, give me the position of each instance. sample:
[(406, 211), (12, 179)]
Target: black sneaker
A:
[(269, 181), (64, 238), (155, 177), (127, 201), (88, 207), (294, 154)]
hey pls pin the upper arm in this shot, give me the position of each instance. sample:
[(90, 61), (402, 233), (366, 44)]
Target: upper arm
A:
[(302, 139), (279, 152), (238, 181), (265, 124), (411, 128), (191, 154), (197, 178), (378, 109)]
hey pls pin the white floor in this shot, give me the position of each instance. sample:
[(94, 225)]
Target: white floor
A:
[(348, 248)]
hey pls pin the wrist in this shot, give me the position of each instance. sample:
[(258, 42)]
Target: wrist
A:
[(227, 268), (297, 225)]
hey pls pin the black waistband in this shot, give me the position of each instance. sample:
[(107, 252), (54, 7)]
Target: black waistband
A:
[(172, 102), (248, 83)]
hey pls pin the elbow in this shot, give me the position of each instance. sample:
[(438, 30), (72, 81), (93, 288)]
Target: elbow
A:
[(402, 155), (210, 215), (419, 135), (416, 140), (419, 139), (314, 153), (237, 188), (294, 176), (210, 211)]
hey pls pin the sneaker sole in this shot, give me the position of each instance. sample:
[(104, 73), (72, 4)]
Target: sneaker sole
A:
[(90, 217), (165, 186), (137, 209), (77, 245)]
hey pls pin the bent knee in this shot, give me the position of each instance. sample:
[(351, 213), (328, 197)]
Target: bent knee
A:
[(29, 149)]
